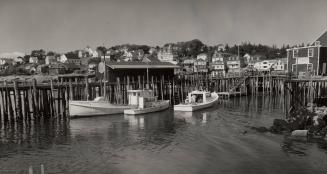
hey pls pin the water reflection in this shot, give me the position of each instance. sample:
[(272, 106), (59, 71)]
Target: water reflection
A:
[(209, 140), (192, 117), (302, 145), (33, 135)]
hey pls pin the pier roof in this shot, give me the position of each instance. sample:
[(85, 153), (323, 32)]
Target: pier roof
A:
[(140, 65)]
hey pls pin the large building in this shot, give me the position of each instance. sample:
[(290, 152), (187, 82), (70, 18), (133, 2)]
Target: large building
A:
[(218, 69), (202, 56), (166, 54), (309, 59), (233, 63), (218, 65), (280, 65), (201, 66), (188, 65), (135, 69), (250, 60)]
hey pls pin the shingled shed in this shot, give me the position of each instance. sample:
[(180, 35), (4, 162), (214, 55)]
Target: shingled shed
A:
[(309, 59), (135, 69)]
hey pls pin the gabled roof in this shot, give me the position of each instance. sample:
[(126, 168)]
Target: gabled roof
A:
[(150, 58), (188, 61), (140, 65), (322, 39), (71, 56)]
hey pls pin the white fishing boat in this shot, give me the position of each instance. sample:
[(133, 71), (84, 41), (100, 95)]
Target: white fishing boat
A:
[(197, 100), (95, 108), (145, 102)]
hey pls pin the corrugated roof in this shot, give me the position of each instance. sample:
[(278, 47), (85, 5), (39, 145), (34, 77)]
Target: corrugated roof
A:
[(140, 65)]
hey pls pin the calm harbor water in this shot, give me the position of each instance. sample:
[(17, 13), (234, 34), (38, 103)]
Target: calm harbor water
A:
[(215, 140)]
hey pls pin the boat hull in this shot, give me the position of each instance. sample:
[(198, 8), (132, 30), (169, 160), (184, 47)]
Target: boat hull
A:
[(94, 108), (160, 105), (194, 107)]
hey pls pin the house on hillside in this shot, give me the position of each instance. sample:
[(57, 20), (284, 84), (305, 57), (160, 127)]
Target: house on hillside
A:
[(30, 67), (18, 60), (280, 65), (34, 60), (221, 47), (135, 55), (188, 65), (218, 56), (233, 63), (63, 68), (309, 59), (70, 58), (166, 54), (50, 60), (218, 69), (202, 56), (105, 55), (265, 65), (90, 52), (201, 66), (6, 61), (250, 60)]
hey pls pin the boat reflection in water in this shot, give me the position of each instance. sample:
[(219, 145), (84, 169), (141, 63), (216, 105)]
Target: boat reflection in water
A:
[(194, 118), (214, 140), (135, 121)]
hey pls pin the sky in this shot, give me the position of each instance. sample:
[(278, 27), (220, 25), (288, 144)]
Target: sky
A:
[(66, 25)]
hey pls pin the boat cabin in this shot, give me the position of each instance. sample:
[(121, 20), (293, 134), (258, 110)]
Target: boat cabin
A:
[(141, 98), (198, 97)]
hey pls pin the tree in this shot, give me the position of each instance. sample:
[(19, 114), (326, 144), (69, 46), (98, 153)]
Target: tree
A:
[(51, 53), (26, 58), (102, 50), (40, 54)]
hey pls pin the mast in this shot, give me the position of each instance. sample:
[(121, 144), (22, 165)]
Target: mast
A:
[(105, 72), (147, 75)]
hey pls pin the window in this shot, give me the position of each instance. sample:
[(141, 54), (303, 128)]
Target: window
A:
[(295, 53), (309, 67), (310, 52), (293, 67)]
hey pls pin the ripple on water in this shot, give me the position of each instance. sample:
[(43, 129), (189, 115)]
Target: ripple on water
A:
[(215, 140)]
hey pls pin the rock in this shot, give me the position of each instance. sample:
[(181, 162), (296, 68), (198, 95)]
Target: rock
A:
[(299, 133), (279, 126), (300, 122), (260, 129), (324, 118), (318, 127)]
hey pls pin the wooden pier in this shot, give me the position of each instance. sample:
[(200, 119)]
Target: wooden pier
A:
[(300, 92), (28, 100)]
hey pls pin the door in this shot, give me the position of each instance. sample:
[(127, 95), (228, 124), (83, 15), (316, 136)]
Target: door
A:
[(324, 68)]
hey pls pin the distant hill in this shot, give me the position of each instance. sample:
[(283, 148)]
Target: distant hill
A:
[(189, 48)]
